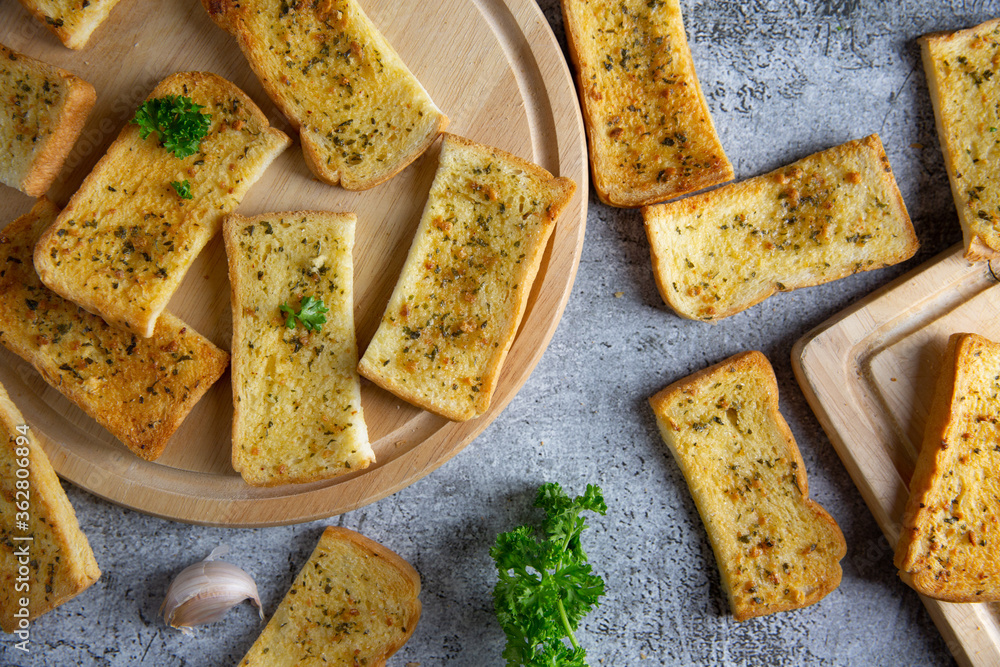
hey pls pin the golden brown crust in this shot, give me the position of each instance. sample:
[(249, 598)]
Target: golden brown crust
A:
[(296, 394), (959, 67), (376, 117), (128, 214), (71, 21), (822, 218), (58, 555), (139, 389), (48, 108), (949, 543), (776, 548), (353, 602), (478, 249), (651, 136)]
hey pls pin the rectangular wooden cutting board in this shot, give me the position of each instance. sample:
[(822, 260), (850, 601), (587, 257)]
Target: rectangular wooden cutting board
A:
[(869, 375)]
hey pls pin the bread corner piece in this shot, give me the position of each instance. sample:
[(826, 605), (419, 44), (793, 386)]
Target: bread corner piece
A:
[(72, 21), (649, 129), (296, 392), (960, 68), (53, 548), (825, 217), (461, 294), (44, 110), (139, 389), (129, 216), (362, 115), (776, 549), (354, 603), (949, 542)]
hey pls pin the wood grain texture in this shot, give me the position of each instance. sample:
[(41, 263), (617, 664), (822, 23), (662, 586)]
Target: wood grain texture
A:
[(869, 374), (492, 65)]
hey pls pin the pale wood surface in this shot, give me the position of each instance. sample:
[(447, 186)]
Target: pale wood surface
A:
[(869, 375), (502, 81)]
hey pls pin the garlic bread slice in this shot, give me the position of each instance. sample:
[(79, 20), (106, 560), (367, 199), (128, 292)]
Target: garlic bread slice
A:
[(465, 284), (354, 602), (361, 114), (964, 82), (39, 530), (776, 549), (949, 542), (827, 216), (296, 391), (44, 110), (72, 21), (122, 245)]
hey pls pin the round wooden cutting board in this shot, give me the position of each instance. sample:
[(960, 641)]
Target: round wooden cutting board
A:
[(495, 69)]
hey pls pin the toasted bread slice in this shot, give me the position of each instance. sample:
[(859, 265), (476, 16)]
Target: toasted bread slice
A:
[(361, 113), (459, 299), (650, 133), (49, 542), (354, 603), (72, 21), (949, 543), (960, 68), (140, 389), (776, 549), (824, 217), (296, 392), (123, 244), (45, 109)]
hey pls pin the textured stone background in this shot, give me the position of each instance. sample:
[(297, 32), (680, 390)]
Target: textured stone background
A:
[(784, 78)]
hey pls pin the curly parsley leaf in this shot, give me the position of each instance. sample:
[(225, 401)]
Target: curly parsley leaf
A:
[(310, 314), (177, 120), (546, 587), (182, 188)]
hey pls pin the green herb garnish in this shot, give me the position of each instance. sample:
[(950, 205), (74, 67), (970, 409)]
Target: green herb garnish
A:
[(182, 188), (310, 314), (546, 587), (177, 120)]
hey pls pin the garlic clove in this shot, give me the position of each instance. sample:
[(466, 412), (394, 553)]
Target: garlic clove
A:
[(204, 592)]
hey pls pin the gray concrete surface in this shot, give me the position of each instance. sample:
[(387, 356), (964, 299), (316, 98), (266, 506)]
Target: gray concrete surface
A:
[(783, 78)]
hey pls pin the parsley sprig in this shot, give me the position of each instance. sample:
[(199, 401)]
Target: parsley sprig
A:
[(177, 119), (546, 587), (310, 314), (182, 188)]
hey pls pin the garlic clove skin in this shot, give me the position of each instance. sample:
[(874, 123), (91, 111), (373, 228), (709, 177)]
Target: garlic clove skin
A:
[(204, 592)]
